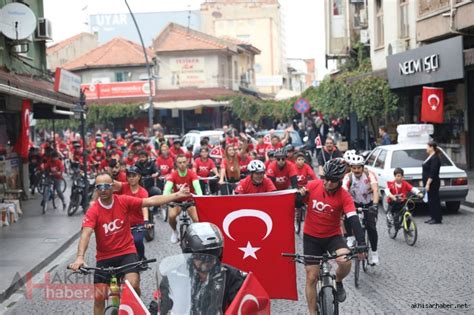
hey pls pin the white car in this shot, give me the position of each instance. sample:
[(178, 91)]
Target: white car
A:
[(384, 159), (194, 138)]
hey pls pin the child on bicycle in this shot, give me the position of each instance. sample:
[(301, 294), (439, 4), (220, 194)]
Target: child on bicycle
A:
[(396, 193)]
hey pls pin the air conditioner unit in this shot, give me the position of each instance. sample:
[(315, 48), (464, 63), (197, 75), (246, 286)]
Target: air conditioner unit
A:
[(399, 45), (44, 30)]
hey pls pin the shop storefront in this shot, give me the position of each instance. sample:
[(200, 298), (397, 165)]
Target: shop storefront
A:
[(440, 65)]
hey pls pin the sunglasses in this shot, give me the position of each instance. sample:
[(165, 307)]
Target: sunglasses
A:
[(103, 187), (332, 180), (260, 173), (132, 175), (281, 159)]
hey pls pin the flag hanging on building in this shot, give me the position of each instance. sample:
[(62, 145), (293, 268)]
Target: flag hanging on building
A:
[(23, 141), (257, 229), (432, 105)]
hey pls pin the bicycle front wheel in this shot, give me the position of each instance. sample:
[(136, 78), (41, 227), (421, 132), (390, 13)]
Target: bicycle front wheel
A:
[(328, 301), (63, 185), (356, 272), (410, 232), (74, 203), (111, 310)]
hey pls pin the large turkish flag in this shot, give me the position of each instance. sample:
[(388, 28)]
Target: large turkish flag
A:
[(257, 228), (432, 105), (251, 299), (22, 143)]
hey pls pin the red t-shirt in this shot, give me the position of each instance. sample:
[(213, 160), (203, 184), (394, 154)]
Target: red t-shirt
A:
[(98, 156), (244, 163), (134, 217), (175, 152), (189, 156), (230, 172), (56, 167), (165, 165), (282, 176), (323, 218), (203, 169), (304, 173), (121, 177), (246, 186), (180, 181), (112, 226), (232, 141), (399, 191), (262, 149), (130, 162), (279, 145)]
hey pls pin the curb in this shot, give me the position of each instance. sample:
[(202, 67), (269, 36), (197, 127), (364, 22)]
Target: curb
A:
[(17, 283), (468, 204)]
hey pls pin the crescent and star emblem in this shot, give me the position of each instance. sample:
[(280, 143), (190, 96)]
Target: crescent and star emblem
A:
[(249, 250), (126, 308), (247, 297), (434, 105)]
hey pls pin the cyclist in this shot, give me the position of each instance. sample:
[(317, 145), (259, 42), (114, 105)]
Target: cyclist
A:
[(55, 167), (261, 148), (396, 193), (364, 189), (326, 203), (255, 182), (176, 149), (181, 177), (290, 153), (97, 155), (230, 170), (77, 154), (244, 160), (117, 172), (303, 170), (109, 219), (149, 171), (131, 158), (206, 239), (271, 157), (131, 187), (165, 163), (282, 173), (203, 166)]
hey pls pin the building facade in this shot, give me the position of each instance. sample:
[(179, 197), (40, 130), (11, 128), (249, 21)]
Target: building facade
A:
[(254, 22), (69, 49)]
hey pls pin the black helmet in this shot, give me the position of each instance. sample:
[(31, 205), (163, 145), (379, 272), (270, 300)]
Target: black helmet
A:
[(203, 238), (289, 148), (280, 153), (133, 169), (335, 169), (271, 153)]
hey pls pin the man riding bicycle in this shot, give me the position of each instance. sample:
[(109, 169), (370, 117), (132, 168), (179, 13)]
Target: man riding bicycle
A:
[(55, 168), (282, 173), (255, 182), (326, 203), (149, 172), (109, 219), (181, 177), (364, 189)]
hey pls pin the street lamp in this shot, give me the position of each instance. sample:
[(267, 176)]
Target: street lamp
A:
[(148, 70)]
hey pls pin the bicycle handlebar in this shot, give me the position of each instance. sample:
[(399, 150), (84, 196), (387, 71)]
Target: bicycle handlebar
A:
[(113, 270), (183, 204), (301, 258)]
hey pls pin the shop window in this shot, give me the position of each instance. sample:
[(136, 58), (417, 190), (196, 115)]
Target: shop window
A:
[(404, 23), (379, 36)]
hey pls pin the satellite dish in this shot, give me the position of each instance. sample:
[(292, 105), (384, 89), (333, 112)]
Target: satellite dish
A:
[(17, 21)]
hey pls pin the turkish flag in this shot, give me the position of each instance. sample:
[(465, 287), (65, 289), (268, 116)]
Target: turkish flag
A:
[(432, 105), (22, 143), (251, 299), (257, 228), (267, 139), (318, 142), (130, 302), (216, 152)]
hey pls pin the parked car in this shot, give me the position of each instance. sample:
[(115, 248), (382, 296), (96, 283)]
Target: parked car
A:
[(296, 140), (194, 138), (410, 157)]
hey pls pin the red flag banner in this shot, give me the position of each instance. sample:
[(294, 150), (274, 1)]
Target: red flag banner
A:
[(251, 299), (318, 142), (257, 228), (432, 105), (267, 139), (130, 302), (216, 152), (23, 141)]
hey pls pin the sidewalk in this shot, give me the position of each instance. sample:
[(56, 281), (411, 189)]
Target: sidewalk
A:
[(34, 241), (470, 196)]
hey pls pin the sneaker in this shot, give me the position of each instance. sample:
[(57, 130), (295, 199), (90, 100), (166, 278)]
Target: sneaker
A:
[(374, 258), (174, 237), (389, 218), (340, 292), (351, 241)]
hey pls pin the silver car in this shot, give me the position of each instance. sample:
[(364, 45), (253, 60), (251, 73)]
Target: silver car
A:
[(384, 159)]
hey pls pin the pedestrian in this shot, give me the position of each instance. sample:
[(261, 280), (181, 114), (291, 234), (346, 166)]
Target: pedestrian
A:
[(328, 152), (431, 182), (385, 136)]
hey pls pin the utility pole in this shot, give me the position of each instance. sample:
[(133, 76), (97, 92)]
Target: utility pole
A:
[(85, 192), (148, 70)]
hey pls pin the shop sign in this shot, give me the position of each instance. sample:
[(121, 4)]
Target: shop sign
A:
[(437, 62), (67, 82), (118, 90), (188, 71)]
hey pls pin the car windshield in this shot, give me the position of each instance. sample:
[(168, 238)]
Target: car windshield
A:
[(214, 139), (295, 137), (414, 158)]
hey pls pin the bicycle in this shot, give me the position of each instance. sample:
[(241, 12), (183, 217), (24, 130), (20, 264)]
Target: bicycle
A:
[(326, 286), (364, 262), (300, 215), (184, 220), (77, 190), (41, 183), (205, 184), (49, 194), (116, 278), (404, 220)]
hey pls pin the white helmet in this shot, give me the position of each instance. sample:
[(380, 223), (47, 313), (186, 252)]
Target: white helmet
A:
[(356, 160), (256, 166), (347, 156)]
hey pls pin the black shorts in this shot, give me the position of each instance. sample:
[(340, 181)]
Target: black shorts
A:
[(315, 246), (115, 262)]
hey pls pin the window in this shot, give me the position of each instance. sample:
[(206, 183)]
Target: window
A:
[(122, 76), (404, 26), (236, 72), (380, 162), (337, 8), (414, 158), (370, 161), (379, 40)]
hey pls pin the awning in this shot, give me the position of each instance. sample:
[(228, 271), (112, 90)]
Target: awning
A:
[(187, 105)]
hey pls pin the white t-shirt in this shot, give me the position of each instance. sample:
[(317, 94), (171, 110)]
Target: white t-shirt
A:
[(360, 188)]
